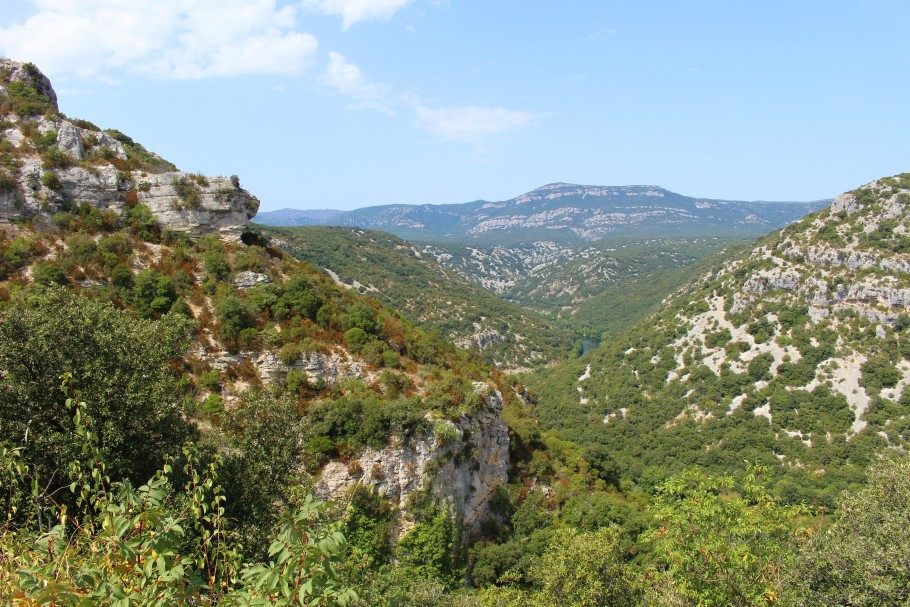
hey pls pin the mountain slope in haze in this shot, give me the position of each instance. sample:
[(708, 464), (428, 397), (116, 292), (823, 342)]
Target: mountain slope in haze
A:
[(399, 274), (297, 217), (795, 355), (569, 212)]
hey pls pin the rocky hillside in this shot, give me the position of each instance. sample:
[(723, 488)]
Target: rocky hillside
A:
[(97, 232), (796, 355), (439, 298), (572, 213), (559, 278), (49, 163)]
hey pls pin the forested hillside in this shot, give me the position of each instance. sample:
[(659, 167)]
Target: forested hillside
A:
[(793, 355), (398, 274)]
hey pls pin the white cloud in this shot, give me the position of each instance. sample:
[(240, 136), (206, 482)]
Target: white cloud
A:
[(352, 11), (346, 78), (470, 123), (174, 39)]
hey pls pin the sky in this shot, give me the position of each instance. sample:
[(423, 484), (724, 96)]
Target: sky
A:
[(349, 103)]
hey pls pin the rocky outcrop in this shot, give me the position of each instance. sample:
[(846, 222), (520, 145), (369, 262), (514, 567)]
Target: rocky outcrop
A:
[(785, 280), (329, 367), (461, 463), (481, 339), (845, 203), (29, 75), (247, 279), (82, 164), (198, 205)]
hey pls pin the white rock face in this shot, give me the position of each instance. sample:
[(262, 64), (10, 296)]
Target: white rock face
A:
[(248, 280), (464, 472), (329, 367), (223, 207)]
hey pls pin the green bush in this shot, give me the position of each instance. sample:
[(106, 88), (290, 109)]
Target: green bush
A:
[(50, 180), (188, 193), (81, 247), (123, 362), (878, 373), (27, 101), (153, 294), (234, 315), (18, 251), (49, 273)]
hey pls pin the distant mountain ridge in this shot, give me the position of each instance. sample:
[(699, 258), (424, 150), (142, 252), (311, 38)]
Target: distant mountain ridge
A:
[(568, 212), (298, 217)]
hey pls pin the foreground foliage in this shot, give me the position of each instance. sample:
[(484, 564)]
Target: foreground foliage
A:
[(151, 545)]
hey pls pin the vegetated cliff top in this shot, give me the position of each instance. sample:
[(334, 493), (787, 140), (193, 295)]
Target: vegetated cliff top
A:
[(50, 163), (795, 354)]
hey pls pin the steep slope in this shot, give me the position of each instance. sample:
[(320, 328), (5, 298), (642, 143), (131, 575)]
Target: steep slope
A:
[(94, 226), (398, 274), (795, 354), (574, 213)]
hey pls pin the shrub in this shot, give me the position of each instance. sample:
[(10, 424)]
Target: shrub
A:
[(295, 381), (81, 247), (216, 265), (153, 294), (8, 182), (142, 222), (234, 315), (429, 549), (297, 298), (50, 180), (213, 405), (585, 570), (263, 435), (49, 273), (187, 192), (27, 101), (356, 338), (717, 547), (290, 353), (878, 373), (363, 317), (122, 277), (18, 251)]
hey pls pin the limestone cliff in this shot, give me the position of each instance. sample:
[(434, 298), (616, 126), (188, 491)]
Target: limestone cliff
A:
[(52, 163), (460, 463)]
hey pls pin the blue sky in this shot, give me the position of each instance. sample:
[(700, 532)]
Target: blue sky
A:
[(347, 103)]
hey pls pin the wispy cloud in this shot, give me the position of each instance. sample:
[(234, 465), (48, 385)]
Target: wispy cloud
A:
[(465, 123), (181, 39), (346, 78), (352, 11), (470, 123)]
